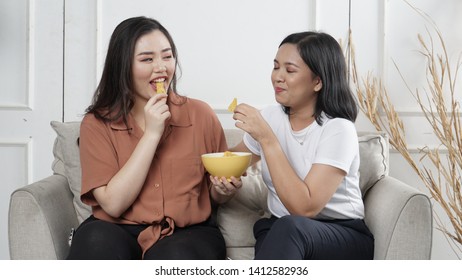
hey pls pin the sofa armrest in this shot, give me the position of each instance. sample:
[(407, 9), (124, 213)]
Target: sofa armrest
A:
[(400, 217), (40, 218)]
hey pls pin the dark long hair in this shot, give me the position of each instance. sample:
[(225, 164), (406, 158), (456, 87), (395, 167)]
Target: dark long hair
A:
[(114, 97), (324, 56)]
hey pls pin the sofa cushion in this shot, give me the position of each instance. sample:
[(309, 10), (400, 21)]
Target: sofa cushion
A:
[(237, 216), (233, 136), (374, 157), (67, 161)]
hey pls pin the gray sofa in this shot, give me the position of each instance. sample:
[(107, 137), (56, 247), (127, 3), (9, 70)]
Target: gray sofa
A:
[(42, 214)]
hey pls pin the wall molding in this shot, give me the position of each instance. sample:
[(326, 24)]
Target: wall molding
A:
[(31, 55), (413, 112), (99, 42), (416, 149), (402, 112), (223, 109), (313, 15), (30, 65), (383, 19), (25, 143), (15, 107)]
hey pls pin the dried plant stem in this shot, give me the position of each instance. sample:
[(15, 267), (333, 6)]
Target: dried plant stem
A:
[(441, 172)]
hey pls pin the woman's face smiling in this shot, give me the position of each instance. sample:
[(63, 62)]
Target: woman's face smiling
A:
[(295, 85), (153, 62)]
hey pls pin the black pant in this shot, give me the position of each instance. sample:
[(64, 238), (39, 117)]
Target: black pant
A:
[(295, 237), (97, 239)]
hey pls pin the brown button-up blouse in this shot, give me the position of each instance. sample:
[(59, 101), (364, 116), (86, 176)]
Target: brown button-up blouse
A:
[(176, 190)]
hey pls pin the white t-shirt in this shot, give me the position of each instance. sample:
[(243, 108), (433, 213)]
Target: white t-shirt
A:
[(335, 143)]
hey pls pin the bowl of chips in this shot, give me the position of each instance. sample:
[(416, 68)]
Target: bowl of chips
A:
[(226, 164)]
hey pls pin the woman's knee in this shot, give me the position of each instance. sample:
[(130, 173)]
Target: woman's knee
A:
[(94, 232), (101, 240), (291, 224)]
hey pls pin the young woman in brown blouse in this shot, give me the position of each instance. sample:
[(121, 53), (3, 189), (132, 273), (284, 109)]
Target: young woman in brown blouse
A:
[(140, 155)]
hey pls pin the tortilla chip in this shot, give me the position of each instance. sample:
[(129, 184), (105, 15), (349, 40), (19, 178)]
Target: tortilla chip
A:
[(160, 87), (233, 105)]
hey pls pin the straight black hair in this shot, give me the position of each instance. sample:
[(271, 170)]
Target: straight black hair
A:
[(324, 56)]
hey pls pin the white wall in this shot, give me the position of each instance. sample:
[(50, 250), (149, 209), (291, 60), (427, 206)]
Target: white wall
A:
[(226, 50), (222, 45)]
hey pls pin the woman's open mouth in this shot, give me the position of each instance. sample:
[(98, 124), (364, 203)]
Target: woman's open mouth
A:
[(158, 85)]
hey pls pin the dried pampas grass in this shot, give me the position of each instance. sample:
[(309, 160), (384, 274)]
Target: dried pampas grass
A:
[(441, 171)]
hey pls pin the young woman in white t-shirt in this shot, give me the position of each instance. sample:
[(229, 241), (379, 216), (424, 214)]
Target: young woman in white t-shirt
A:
[(310, 157)]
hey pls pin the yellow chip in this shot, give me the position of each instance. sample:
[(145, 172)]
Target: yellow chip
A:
[(160, 87), (233, 105), (228, 154)]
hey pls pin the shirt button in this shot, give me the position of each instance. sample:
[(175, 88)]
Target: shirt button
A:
[(156, 186)]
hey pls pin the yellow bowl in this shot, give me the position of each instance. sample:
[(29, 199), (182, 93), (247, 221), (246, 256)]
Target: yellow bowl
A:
[(226, 166)]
